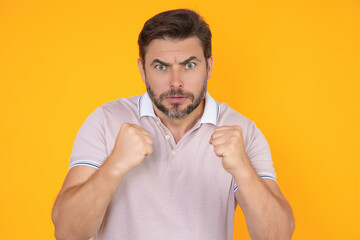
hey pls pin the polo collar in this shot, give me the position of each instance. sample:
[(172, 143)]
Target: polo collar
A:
[(210, 115)]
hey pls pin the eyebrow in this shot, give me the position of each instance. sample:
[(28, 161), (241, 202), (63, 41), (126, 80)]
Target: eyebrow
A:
[(156, 60), (189, 60), (160, 62)]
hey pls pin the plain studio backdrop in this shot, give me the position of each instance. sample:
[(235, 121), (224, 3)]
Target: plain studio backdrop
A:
[(291, 67)]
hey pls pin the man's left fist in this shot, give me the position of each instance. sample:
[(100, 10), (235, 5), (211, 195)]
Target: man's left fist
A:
[(229, 144)]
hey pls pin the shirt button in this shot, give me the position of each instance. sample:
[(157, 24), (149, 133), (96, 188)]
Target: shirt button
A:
[(167, 137), (173, 153)]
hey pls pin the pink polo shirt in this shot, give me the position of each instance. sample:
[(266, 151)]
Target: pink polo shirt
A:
[(180, 191)]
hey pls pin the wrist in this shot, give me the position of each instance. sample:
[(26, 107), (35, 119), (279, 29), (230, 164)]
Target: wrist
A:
[(244, 172), (116, 166)]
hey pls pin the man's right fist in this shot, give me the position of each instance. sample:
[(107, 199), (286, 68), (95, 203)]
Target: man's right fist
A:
[(132, 144)]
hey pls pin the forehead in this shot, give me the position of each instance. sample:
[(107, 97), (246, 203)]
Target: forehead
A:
[(174, 50)]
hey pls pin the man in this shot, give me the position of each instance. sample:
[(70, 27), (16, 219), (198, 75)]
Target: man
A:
[(171, 163)]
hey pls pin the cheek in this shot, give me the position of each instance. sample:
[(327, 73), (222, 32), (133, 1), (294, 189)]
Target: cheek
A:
[(194, 80), (157, 83)]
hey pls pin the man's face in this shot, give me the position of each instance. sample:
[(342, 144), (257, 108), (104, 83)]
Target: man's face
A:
[(176, 74)]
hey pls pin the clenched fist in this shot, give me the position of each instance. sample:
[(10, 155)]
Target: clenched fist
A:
[(229, 144), (132, 144)]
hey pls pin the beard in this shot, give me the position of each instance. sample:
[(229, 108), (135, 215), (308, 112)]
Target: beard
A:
[(175, 111)]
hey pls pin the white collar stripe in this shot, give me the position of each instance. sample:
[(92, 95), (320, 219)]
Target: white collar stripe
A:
[(139, 106), (218, 114)]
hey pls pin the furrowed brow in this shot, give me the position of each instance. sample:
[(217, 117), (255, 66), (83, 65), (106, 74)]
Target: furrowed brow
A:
[(160, 62), (189, 60)]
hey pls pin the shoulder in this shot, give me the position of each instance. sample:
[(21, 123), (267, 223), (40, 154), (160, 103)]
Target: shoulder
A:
[(229, 116), (255, 142), (121, 107)]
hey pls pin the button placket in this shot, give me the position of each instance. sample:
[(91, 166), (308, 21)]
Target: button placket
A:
[(173, 146), (166, 132)]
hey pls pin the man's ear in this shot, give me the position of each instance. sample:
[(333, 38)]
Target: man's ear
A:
[(141, 67), (210, 62)]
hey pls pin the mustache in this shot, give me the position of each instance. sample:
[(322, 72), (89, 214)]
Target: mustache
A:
[(178, 93)]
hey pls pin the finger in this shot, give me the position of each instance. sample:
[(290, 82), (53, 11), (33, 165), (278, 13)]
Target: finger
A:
[(216, 135), (148, 150), (134, 125), (219, 140), (148, 139), (221, 150), (219, 134), (140, 129), (146, 133)]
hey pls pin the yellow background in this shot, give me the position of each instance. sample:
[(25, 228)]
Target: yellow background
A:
[(292, 67)]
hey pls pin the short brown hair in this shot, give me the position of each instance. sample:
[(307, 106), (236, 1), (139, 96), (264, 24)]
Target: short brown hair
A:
[(176, 24)]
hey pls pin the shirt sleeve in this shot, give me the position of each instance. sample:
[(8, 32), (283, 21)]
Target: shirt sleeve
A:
[(89, 147), (258, 151)]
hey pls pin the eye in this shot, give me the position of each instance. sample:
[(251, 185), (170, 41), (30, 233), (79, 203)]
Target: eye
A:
[(190, 65), (160, 67)]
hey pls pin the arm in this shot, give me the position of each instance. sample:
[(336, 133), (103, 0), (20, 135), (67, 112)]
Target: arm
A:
[(82, 202), (267, 212)]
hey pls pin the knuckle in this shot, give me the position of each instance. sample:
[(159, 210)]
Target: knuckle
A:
[(132, 130), (237, 133), (238, 128), (141, 142)]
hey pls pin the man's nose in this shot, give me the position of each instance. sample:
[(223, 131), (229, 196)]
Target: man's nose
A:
[(175, 79)]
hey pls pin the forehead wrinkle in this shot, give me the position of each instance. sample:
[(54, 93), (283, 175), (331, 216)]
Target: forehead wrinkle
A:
[(170, 50)]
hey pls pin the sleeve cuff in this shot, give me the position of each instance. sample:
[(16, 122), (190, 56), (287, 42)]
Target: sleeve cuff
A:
[(85, 163), (265, 175), (261, 176)]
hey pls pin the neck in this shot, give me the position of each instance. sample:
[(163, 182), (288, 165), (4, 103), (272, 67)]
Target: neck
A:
[(178, 127)]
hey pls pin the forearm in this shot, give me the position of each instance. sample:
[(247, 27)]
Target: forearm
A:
[(268, 216), (78, 212)]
